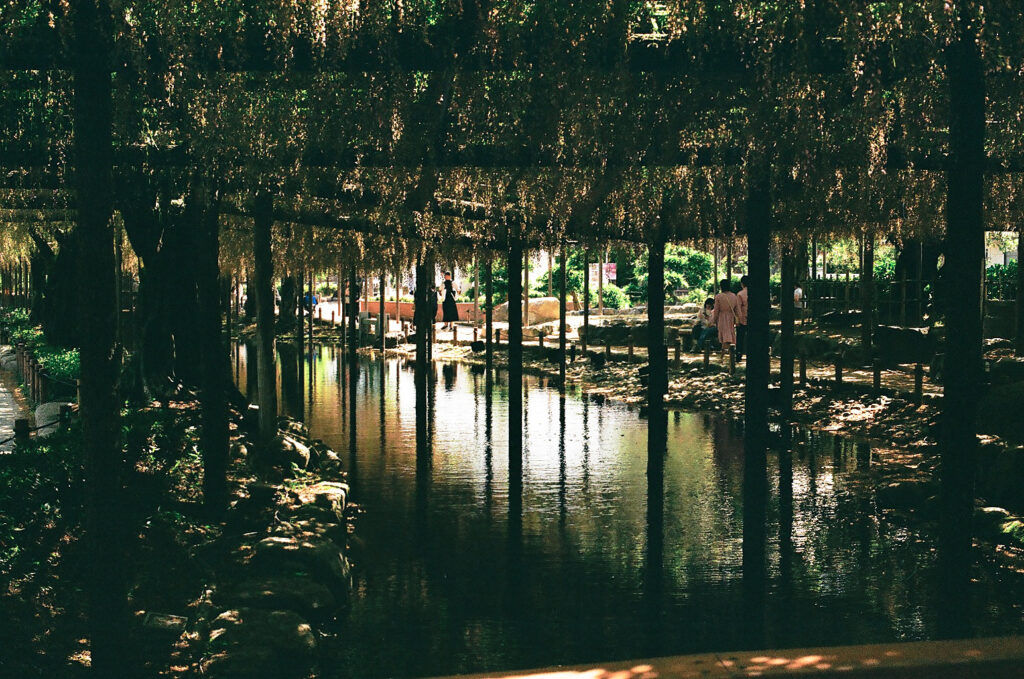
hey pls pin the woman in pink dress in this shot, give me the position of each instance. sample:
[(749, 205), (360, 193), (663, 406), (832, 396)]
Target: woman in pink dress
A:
[(724, 316)]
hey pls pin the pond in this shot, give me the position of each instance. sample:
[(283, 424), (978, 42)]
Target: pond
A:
[(588, 559)]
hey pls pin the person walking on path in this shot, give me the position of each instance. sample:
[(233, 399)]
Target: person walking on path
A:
[(448, 307), (724, 316), (741, 318)]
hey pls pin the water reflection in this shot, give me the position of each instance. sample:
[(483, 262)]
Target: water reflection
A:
[(619, 538)]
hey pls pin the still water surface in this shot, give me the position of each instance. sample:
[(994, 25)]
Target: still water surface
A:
[(453, 577)]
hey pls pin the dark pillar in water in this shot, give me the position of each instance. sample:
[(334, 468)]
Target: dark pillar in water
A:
[(263, 282), (788, 321), (755, 441), (965, 247), (515, 357), (586, 299), (489, 314), (561, 320)]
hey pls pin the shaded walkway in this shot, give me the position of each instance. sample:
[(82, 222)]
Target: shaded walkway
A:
[(10, 409)]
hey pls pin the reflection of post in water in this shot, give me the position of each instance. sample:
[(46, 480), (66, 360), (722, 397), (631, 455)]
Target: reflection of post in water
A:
[(653, 582), (449, 372), (353, 384), (786, 512), (561, 462), (424, 449), (291, 389), (863, 454), (488, 442), (515, 576), (252, 372), (586, 446)]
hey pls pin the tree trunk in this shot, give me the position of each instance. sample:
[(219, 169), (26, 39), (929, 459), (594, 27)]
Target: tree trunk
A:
[(586, 298), (263, 282), (965, 246), (104, 521), (489, 313), (561, 319), (867, 294), (213, 395), (515, 358), (1020, 293), (788, 322)]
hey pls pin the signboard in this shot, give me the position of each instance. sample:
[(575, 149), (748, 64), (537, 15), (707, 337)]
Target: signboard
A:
[(609, 273)]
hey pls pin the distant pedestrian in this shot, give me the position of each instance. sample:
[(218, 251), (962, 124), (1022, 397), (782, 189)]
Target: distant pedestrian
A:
[(724, 316), (741, 317), (449, 307)]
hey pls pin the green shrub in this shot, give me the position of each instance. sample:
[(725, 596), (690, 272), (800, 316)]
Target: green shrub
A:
[(1001, 281)]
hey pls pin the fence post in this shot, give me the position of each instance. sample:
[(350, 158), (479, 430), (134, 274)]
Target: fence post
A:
[(839, 370), (679, 350), (803, 369), (876, 375), (65, 415), (607, 351), (707, 355), (540, 339), (630, 357), (918, 383), (21, 431)]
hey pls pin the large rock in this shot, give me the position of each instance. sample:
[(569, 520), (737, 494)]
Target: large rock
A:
[(542, 310), (329, 495), (1006, 370), (305, 553), (999, 411), (299, 593), (251, 642), (903, 495), (904, 345), (48, 417)]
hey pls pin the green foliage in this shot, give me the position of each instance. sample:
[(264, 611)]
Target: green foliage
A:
[(614, 297), (60, 364), (1001, 280), (685, 268)]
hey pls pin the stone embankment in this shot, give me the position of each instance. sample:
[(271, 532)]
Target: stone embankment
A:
[(285, 573)]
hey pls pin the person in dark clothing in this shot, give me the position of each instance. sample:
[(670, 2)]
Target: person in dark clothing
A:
[(449, 308)]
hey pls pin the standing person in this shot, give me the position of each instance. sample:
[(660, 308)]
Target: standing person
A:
[(724, 316), (741, 318), (798, 300), (449, 308)]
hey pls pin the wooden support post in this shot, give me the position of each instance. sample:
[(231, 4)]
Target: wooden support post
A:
[(21, 431), (517, 272), (918, 383), (876, 375), (497, 336), (607, 350), (679, 352), (489, 314), (586, 300), (867, 293), (839, 370), (563, 292), (903, 298), (732, 359), (263, 282), (382, 317), (630, 351), (540, 339), (707, 355), (803, 369), (657, 356), (788, 328)]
